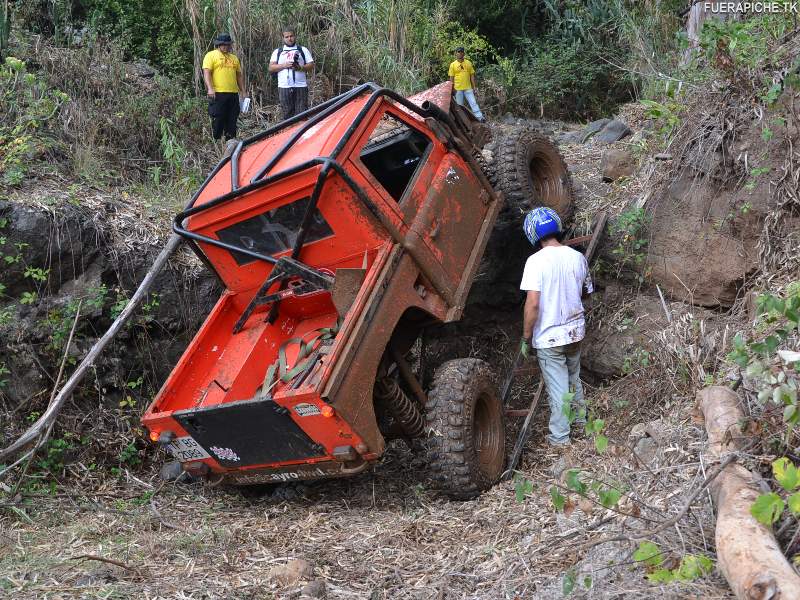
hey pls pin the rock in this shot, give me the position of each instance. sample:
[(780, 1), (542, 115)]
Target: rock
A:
[(646, 449), (314, 589), (655, 429), (611, 348), (638, 430), (42, 241), (613, 132), (292, 572), (593, 128), (570, 137), (141, 69), (508, 119), (617, 163), (171, 471)]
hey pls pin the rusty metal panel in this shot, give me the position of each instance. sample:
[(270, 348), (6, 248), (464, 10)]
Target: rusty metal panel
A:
[(346, 287), (440, 95)]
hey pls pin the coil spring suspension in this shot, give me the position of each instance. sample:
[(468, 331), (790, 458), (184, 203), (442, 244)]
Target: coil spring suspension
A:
[(401, 406)]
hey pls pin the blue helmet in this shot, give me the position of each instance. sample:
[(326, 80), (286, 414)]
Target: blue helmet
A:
[(540, 222)]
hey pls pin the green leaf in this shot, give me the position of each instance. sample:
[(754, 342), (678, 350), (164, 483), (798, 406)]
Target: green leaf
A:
[(767, 508), (557, 498), (568, 582), (609, 497), (522, 488), (786, 474), (574, 482), (648, 553), (21, 514), (601, 443), (661, 576), (693, 566), (794, 503), (771, 344), (790, 414), (594, 426), (587, 582)]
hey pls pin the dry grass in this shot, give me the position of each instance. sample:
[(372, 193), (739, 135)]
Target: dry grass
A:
[(380, 535)]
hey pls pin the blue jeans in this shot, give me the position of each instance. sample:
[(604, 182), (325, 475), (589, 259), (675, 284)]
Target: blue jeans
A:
[(473, 104), (561, 371)]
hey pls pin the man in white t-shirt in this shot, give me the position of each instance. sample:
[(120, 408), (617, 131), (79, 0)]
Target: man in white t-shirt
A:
[(291, 62), (554, 279)]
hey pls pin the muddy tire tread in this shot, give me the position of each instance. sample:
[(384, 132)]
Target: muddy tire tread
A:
[(451, 457), (511, 154)]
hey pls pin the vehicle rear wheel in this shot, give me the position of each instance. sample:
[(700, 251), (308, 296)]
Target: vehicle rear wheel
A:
[(465, 429), (531, 172)]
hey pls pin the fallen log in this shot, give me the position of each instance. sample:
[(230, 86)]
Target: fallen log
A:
[(748, 554)]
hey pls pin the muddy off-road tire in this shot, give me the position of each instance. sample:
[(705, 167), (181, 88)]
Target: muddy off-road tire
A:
[(530, 171), (465, 429)]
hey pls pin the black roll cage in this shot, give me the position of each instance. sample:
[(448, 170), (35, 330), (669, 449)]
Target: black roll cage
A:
[(314, 116)]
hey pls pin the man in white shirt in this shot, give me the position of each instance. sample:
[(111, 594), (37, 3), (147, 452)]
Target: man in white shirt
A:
[(553, 323), (291, 62)]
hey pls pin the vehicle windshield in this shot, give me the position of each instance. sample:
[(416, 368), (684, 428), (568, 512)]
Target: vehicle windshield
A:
[(274, 231)]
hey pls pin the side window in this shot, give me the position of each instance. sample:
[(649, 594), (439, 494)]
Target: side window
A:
[(394, 153)]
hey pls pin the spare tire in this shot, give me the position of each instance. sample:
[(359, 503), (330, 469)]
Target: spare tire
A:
[(530, 171)]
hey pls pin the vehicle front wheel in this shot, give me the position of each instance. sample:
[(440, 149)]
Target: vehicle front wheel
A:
[(465, 429)]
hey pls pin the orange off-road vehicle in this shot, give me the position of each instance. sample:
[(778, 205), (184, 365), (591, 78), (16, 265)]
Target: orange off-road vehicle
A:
[(339, 235)]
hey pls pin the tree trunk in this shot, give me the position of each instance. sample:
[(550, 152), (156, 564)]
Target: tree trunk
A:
[(747, 552), (698, 14)]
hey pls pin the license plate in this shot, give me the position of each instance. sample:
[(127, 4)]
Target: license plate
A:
[(186, 449)]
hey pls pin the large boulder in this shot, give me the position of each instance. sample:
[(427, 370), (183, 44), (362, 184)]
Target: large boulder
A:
[(613, 347), (702, 248), (616, 164)]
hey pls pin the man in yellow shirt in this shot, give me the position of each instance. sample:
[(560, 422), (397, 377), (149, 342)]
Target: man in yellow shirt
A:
[(462, 76), (222, 73)]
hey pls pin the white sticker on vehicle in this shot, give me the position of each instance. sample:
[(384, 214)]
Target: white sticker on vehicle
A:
[(185, 449), (225, 453), (307, 410)]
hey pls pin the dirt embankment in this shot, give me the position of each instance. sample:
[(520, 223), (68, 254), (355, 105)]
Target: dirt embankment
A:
[(65, 259)]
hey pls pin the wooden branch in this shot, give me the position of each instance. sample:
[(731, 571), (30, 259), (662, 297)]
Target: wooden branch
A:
[(110, 561), (747, 552), (52, 411)]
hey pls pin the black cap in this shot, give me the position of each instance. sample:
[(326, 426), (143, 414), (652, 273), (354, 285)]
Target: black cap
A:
[(460, 49), (223, 38)]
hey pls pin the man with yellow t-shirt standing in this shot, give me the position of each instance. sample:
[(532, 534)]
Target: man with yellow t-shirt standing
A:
[(222, 73), (462, 76)]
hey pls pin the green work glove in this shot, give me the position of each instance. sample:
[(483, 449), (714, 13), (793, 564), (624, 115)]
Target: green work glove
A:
[(525, 348)]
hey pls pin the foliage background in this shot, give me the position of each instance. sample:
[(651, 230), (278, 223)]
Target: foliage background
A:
[(559, 58)]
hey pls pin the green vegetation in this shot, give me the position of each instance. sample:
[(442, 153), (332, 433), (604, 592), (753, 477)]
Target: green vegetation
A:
[(691, 566), (629, 233), (559, 57), (774, 372)]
